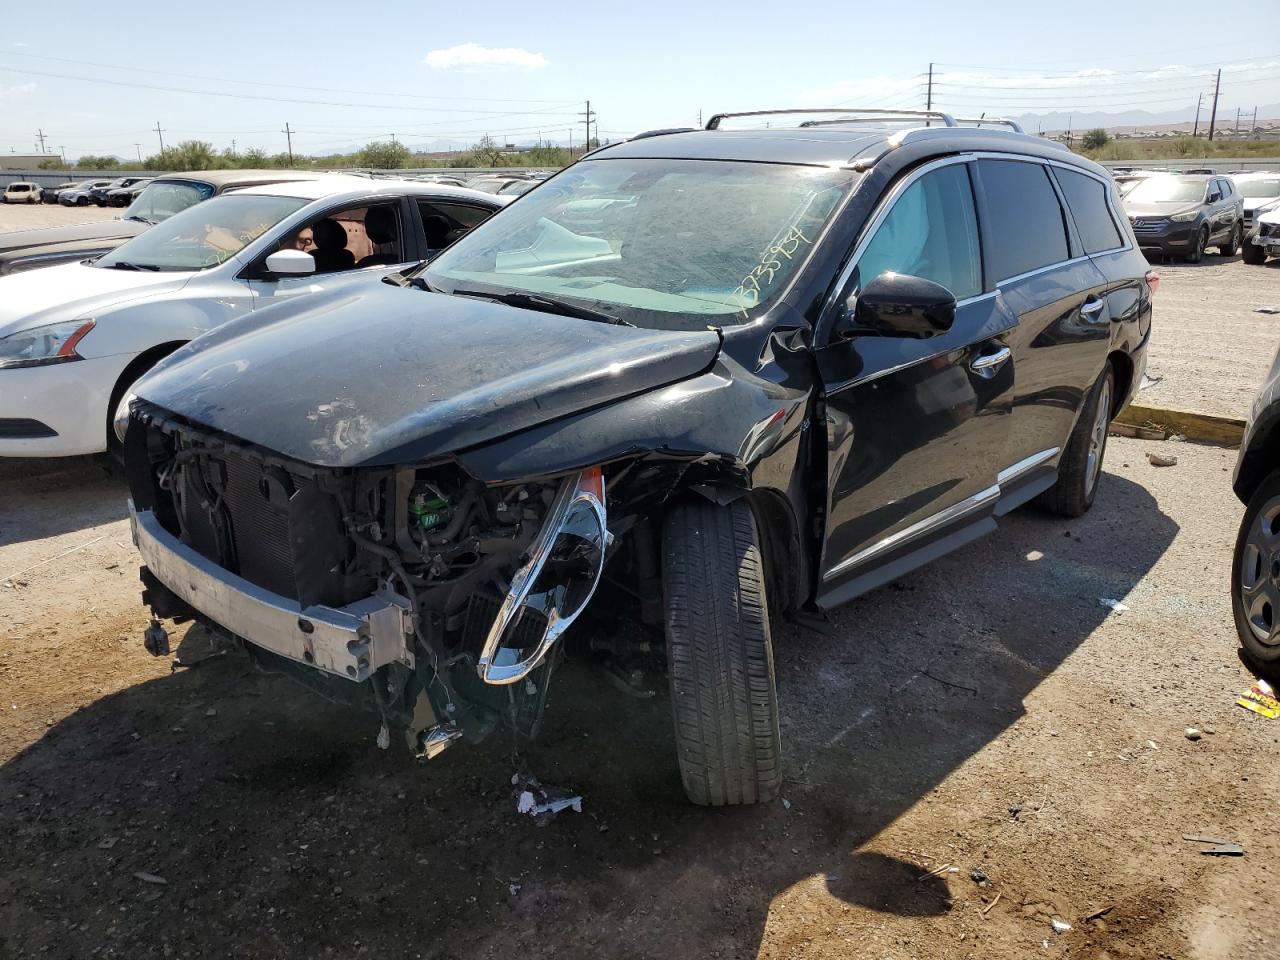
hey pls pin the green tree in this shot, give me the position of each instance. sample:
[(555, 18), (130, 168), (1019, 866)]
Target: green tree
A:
[(188, 155), (254, 158), (486, 153), (388, 155), (52, 164), (1189, 146), (1095, 139), (90, 162)]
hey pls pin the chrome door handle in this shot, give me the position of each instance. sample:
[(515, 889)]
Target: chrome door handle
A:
[(1092, 308), (986, 365)]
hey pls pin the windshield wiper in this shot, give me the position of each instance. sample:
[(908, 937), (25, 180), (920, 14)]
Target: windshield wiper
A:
[(532, 301), (126, 265), (402, 281), (140, 219)]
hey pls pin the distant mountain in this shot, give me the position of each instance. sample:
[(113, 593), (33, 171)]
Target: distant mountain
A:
[(1144, 119)]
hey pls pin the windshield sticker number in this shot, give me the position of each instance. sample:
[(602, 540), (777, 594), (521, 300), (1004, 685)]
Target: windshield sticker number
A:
[(747, 294)]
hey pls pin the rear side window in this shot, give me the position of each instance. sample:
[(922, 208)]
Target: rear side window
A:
[(930, 232), (1024, 229), (1087, 199)]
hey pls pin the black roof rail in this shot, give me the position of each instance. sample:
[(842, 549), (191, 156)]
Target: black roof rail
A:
[(663, 132), (872, 116)]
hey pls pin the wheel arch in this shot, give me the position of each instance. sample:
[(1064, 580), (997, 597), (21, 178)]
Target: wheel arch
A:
[(1259, 460), (137, 367), (1122, 368)]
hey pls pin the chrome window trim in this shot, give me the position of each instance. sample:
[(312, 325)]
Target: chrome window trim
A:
[(887, 202)]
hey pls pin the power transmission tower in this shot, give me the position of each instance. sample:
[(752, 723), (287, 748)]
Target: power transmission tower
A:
[(160, 134), (1213, 114), (1195, 131), (40, 137), (587, 118), (289, 137)]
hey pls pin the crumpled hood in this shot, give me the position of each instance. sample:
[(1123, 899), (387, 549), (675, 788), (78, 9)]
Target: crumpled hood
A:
[(1270, 216), (1159, 209), (74, 291), (378, 374), (100, 230), (1252, 204)]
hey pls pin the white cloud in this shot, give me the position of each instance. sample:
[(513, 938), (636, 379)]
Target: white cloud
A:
[(16, 91), (18, 43), (472, 56)]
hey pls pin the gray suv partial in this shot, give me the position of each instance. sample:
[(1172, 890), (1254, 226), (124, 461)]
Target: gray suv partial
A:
[(1180, 215)]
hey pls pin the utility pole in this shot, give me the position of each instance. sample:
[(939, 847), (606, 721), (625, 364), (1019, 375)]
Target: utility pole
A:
[(1213, 114), (1070, 119), (40, 137), (1237, 130), (63, 152), (928, 95), (289, 135), (160, 134), (699, 118), (233, 146), (1254, 126), (138, 147), (1195, 131), (588, 117), (571, 141)]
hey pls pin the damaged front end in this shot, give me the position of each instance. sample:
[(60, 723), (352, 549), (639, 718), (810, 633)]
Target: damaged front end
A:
[(420, 592)]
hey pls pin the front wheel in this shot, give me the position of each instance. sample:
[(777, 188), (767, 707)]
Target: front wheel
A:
[(1250, 251), (720, 655), (1080, 469), (1229, 248), (1196, 253), (1255, 576)]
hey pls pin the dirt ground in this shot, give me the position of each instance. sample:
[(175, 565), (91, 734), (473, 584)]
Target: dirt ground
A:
[(1212, 348), (985, 714), (15, 216)]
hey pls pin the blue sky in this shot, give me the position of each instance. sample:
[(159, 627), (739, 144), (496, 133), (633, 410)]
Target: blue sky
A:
[(426, 72)]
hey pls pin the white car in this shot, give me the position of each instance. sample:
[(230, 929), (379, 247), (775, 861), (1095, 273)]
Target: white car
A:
[(78, 196), (74, 338), (1260, 193), (1263, 240), (21, 191)]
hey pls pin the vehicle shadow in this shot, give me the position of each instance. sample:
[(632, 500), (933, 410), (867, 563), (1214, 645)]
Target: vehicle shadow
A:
[(45, 497), (279, 829)]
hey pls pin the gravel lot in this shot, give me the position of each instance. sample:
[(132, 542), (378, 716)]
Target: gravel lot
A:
[(24, 216), (992, 680), (986, 714), (1211, 348)]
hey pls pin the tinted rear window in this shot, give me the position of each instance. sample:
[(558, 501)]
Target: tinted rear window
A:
[(1087, 199), (1025, 226)]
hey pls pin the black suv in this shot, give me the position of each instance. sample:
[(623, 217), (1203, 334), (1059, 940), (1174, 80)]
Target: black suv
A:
[(1255, 573), (1181, 215), (708, 375)]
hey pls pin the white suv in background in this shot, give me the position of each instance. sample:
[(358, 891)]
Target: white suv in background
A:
[(21, 192)]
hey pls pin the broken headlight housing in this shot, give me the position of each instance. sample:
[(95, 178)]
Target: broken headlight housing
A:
[(555, 583)]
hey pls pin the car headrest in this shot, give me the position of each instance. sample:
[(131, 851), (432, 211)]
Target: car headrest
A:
[(329, 235), (437, 230), (380, 224)]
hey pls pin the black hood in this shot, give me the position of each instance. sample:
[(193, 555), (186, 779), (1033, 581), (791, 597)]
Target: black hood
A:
[(381, 374)]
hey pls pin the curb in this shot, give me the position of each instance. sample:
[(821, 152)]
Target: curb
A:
[(1158, 423)]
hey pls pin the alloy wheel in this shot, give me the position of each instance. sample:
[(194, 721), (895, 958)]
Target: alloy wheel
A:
[(1098, 438), (1260, 574)]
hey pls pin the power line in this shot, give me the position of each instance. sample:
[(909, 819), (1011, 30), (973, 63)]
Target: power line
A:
[(282, 86), (491, 114)]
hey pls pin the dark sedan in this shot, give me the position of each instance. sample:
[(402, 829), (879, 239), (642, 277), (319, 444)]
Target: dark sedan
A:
[(160, 199)]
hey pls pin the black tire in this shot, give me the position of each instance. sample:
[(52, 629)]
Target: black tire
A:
[(1229, 248), (1250, 252), (1255, 577), (1080, 469), (723, 694), (1196, 253), (82, 201)]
